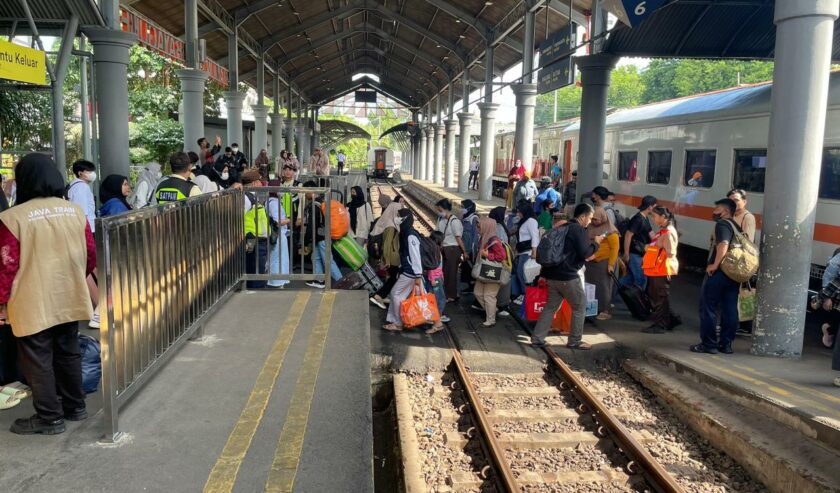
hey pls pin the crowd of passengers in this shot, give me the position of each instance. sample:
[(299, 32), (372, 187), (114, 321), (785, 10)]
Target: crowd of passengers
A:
[(599, 246)]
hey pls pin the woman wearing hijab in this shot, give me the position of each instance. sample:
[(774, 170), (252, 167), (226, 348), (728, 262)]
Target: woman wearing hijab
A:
[(221, 175), (261, 163), (492, 249), (360, 215), (384, 201), (145, 187), (527, 240), (113, 192), (503, 298), (600, 266), (47, 247), (205, 184), (389, 228), (410, 272)]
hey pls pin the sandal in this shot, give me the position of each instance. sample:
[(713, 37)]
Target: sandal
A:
[(8, 401), (584, 346), (436, 328), (392, 327), (827, 338), (14, 392)]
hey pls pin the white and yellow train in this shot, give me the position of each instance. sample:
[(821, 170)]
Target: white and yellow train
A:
[(690, 152)]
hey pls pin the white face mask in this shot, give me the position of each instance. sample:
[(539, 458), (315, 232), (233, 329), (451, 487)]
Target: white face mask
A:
[(235, 149), (225, 176), (90, 176)]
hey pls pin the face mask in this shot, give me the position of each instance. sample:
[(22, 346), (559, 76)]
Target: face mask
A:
[(717, 217), (441, 215), (464, 212), (235, 149), (399, 220), (225, 176), (91, 176)]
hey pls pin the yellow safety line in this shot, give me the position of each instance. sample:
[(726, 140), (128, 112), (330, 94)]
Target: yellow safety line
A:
[(223, 476), (281, 477), (784, 381)]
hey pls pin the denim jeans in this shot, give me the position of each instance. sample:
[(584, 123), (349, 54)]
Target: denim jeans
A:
[(517, 281), (718, 293), (635, 274), (318, 256), (279, 260)]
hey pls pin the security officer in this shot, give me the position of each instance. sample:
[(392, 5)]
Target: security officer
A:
[(256, 228), (177, 186)]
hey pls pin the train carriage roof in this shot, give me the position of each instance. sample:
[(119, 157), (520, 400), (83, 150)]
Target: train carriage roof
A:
[(745, 100)]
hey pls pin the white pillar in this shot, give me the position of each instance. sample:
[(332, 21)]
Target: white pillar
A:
[(439, 131), (430, 153), (290, 135), (192, 90), (233, 100), (804, 32), (451, 163), (488, 133), (464, 161), (421, 160), (595, 79), (260, 129), (526, 101), (276, 134)]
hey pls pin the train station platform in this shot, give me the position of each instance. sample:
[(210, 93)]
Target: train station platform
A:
[(429, 193), (274, 397)]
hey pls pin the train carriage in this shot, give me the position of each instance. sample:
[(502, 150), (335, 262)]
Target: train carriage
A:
[(691, 151)]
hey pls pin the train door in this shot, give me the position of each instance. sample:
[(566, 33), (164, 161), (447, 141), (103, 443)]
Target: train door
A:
[(380, 158), (567, 161)]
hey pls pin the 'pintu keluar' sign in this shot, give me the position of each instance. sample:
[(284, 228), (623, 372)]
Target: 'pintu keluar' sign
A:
[(22, 64)]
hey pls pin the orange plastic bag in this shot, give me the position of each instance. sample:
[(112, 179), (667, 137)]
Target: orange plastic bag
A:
[(562, 321), (418, 309)]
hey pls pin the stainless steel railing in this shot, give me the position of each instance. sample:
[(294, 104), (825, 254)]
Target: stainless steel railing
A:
[(162, 271)]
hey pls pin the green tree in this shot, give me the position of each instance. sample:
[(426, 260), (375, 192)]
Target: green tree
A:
[(672, 78), (160, 136), (626, 87), (658, 80)]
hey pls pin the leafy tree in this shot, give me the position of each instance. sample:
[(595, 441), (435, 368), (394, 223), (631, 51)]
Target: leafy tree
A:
[(25, 121), (658, 80), (668, 79), (160, 136), (626, 87)]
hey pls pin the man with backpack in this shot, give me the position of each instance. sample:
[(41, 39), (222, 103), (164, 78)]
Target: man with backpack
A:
[(719, 293), (562, 253)]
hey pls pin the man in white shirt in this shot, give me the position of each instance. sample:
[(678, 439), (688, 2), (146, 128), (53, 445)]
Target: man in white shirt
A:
[(341, 159), (79, 191), (473, 181)]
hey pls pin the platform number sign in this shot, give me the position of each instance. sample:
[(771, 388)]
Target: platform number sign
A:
[(633, 12)]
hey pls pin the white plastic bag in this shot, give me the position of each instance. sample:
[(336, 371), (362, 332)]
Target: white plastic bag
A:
[(532, 270)]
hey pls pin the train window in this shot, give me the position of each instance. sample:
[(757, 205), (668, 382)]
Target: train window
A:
[(700, 168), (627, 165), (659, 167), (750, 165), (830, 176)]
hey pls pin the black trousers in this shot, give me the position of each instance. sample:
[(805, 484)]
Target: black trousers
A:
[(256, 262), (388, 284), (659, 291), (51, 362), (473, 180)]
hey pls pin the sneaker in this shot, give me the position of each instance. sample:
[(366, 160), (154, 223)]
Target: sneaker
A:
[(502, 313), (476, 306), (725, 349), (519, 299), (603, 316), (444, 319), (76, 414), (837, 382), (377, 302), (699, 348), (316, 284), (94, 321), (743, 332), (35, 425), (583, 346), (654, 329)]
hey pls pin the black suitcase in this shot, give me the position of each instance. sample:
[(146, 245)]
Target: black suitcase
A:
[(637, 301), (364, 278)]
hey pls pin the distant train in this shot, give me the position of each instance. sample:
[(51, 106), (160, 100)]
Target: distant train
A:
[(382, 162), (690, 152)]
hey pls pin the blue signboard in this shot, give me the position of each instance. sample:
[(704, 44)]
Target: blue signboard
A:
[(633, 12), (557, 45), (559, 74)]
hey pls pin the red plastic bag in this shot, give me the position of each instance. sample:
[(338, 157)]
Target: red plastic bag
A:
[(535, 299), (418, 309), (562, 321)]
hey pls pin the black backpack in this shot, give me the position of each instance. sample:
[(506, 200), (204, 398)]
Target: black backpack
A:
[(551, 251), (430, 255)]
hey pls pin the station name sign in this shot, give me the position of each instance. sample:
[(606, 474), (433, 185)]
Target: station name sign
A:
[(22, 64), (153, 37)]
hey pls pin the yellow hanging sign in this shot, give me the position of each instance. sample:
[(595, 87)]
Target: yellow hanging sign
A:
[(22, 64)]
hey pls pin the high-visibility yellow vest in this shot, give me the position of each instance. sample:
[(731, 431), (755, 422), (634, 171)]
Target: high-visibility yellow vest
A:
[(173, 189), (256, 219)]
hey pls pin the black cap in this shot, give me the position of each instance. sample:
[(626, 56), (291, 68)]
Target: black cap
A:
[(234, 145), (647, 201)]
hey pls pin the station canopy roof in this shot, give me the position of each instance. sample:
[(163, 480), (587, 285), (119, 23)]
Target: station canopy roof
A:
[(336, 132)]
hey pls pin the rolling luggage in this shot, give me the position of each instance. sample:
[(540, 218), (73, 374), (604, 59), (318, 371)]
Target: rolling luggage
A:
[(364, 278), (350, 251), (636, 300)]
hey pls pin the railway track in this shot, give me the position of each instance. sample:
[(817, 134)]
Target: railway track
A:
[(555, 418)]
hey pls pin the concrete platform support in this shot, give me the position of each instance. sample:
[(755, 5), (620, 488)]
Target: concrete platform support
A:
[(430, 153), (192, 89), (276, 135), (464, 152), (233, 101), (298, 149), (804, 32), (488, 132), (451, 163), (290, 135), (526, 101), (110, 60), (439, 131), (595, 79), (260, 130), (421, 156)]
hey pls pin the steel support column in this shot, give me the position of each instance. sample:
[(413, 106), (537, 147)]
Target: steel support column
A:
[(488, 133), (60, 70), (464, 160), (804, 32), (110, 62), (526, 101), (595, 79), (451, 163)]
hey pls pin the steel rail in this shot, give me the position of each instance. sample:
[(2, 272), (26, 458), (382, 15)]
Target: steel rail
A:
[(649, 467)]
